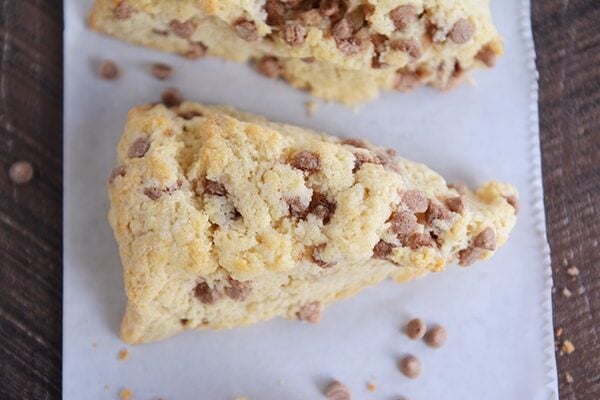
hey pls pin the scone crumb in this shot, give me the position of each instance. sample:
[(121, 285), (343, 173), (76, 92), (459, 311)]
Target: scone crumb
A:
[(566, 292), (558, 332), (569, 378), (338, 391), (123, 355), (311, 107), (126, 394), (371, 387), (573, 271), (568, 347)]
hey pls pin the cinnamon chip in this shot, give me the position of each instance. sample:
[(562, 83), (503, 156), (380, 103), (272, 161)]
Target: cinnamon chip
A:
[(162, 71), (275, 12), (238, 290), (109, 70), (437, 211), (455, 204), (123, 10), (294, 33), (195, 51), (403, 15), (412, 47), (310, 312), (205, 294), (362, 158), (415, 329), (405, 81), (513, 201), (361, 144), (189, 114), (214, 188), (486, 239), (153, 192), (416, 240), (343, 29), (316, 256), (470, 255), (269, 66), (116, 172), (311, 17), (382, 250), (414, 200), (462, 31), (321, 207), (306, 161), (436, 337), (403, 223), (350, 46), (138, 148), (171, 97), (338, 391), (246, 30), (184, 29), (410, 366), (486, 55), (329, 7)]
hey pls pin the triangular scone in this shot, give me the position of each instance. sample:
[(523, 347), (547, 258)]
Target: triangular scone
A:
[(225, 219)]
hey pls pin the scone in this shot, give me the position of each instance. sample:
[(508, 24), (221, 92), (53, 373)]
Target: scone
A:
[(225, 219), (343, 50)]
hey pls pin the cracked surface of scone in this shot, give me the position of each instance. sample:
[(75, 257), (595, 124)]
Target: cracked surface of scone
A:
[(225, 219), (342, 50)]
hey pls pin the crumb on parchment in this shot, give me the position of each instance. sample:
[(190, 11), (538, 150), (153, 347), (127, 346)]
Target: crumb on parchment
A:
[(568, 347), (123, 355), (371, 387), (126, 394), (311, 107), (569, 378)]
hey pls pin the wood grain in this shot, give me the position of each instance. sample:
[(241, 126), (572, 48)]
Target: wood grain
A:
[(567, 37)]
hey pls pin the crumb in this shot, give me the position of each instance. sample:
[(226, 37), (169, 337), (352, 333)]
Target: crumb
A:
[(123, 355), (106, 387), (20, 172), (569, 378), (572, 271), (568, 347), (126, 394), (565, 262), (553, 289), (558, 332), (566, 292), (371, 387), (311, 107), (581, 290), (109, 70)]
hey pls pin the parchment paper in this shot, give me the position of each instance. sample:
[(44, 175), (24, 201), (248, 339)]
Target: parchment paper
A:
[(498, 313)]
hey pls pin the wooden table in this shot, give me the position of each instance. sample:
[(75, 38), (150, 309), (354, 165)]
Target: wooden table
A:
[(567, 35)]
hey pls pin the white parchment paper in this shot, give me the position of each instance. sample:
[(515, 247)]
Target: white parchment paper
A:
[(498, 313)]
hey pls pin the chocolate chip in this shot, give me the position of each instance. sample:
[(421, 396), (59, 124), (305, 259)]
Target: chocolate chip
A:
[(310, 312), (338, 391), (405, 81), (462, 31), (382, 250), (214, 188), (414, 200), (436, 337), (486, 55), (513, 201), (246, 30), (238, 290), (350, 46), (195, 51), (316, 256), (190, 114), (437, 211), (412, 47), (415, 329), (329, 7), (306, 161), (21, 172), (311, 17), (343, 29), (123, 10), (171, 97), (138, 148), (294, 33), (455, 204), (184, 29), (417, 240), (469, 255), (205, 294), (296, 208), (486, 239), (410, 366), (321, 207), (403, 15), (275, 11), (153, 192), (403, 223), (116, 172), (109, 70), (269, 66), (162, 71)]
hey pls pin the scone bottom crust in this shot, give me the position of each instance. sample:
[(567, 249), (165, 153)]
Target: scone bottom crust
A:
[(225, 219), (374, 45)]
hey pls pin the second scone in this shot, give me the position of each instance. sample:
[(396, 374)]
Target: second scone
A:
[(225, 219)]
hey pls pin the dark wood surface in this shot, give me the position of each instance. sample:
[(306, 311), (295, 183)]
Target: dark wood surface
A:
[(567, 35)]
